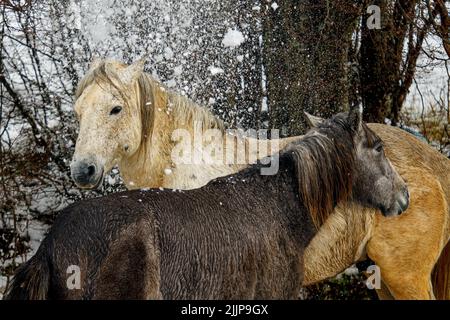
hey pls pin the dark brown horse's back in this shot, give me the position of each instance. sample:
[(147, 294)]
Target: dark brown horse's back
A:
[(250, 245), (224, 241)]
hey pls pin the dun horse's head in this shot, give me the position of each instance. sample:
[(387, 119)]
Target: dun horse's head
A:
[(108, 109), (375, 181)]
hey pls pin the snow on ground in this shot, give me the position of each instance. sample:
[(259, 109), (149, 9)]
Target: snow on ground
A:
[(36, 231)]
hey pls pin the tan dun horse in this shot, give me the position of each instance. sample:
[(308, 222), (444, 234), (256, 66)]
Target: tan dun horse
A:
[(127, 118), (407, 247)]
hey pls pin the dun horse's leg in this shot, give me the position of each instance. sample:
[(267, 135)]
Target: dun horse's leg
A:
[(407, 247), (408, 287), (384, 293)]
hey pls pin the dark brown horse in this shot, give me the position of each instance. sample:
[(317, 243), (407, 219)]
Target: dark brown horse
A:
[(239, 237)]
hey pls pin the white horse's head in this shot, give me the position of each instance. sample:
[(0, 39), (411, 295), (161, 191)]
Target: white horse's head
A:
[(110, 112)]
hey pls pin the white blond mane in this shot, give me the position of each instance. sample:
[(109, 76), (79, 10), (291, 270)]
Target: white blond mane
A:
[(153, 97), (185, 111)]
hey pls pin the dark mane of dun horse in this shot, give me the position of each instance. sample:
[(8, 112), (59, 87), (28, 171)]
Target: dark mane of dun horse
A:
[(240, 236)]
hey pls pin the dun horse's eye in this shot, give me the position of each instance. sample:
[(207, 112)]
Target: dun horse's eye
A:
[(115, 110), (379, 147)]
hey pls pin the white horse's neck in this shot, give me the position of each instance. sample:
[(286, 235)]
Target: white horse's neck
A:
[(152, 165)]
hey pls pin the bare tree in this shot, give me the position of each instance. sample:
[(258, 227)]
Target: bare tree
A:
[(388, 57)]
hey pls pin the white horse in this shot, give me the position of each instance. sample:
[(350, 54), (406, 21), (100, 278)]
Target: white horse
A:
[(157, 138)]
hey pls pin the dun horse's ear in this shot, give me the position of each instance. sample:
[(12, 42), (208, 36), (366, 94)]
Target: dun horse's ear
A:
[(133, 72), (312, 121), (355, 118)]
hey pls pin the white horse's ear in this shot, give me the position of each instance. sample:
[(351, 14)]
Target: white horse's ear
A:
[(355, 118), (312, 121), (95, 63), (133, 72)]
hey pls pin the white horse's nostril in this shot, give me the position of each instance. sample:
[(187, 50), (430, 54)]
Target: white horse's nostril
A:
[(91, 170)]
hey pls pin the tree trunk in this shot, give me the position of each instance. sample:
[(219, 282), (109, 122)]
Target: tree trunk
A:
[(306, 47), (375, 69), (386, 69)]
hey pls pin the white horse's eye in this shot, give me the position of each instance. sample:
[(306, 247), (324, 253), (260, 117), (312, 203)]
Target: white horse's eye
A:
[(116, 110)]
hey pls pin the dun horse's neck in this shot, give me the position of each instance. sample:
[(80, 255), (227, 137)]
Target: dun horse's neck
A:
[(339, 243)]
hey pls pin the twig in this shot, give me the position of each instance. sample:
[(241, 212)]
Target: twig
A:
[(422, 116), (26, 45)]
